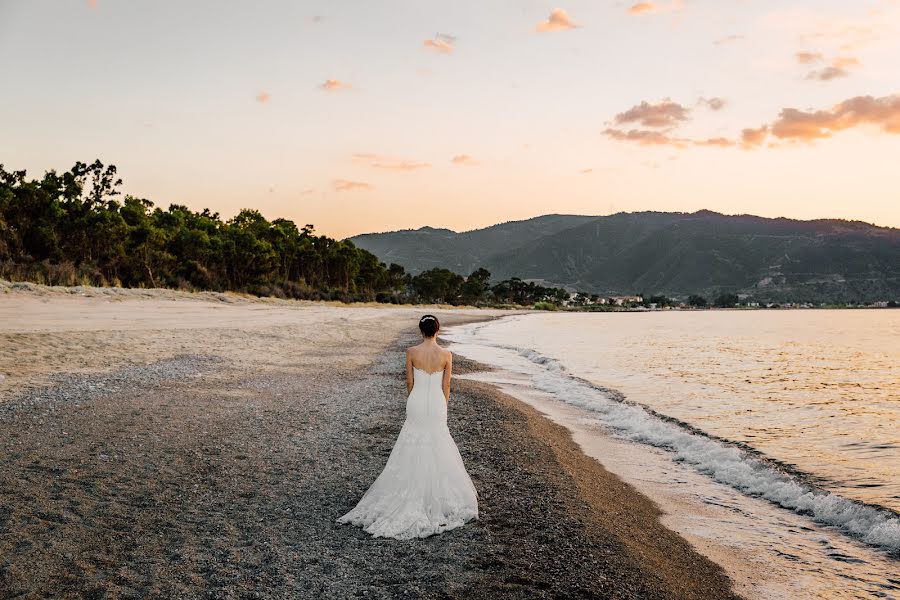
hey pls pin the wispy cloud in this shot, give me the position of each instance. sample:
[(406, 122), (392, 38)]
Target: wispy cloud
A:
[(389, 164), (840, 65), (827, 74), (646, 8), (335, 85), (441, 43), (641, 8), (263, 97), (464, 160), (851, 34), (714, 104), (659, 114), (848, 30), (345, 185), (807, 58), (719, 142), (557, 21), (645, 137), (727, 39)]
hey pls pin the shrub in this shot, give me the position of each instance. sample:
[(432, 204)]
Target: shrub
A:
[(543, 305)]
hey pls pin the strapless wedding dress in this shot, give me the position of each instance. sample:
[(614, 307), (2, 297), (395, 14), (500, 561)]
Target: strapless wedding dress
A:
[(424, 488)]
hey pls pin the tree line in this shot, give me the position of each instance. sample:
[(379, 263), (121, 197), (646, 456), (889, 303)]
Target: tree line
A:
[(76, 228)]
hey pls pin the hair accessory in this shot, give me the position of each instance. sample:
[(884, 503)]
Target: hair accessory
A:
[(426, 318)]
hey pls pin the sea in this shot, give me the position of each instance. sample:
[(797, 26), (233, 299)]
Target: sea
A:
[(769, 438)]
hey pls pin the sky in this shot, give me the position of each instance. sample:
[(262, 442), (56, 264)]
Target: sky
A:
[(374, 116)]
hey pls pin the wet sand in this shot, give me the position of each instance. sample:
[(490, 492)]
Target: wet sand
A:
[(180, 446)]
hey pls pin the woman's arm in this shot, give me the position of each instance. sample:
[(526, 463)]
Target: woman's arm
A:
[(409, 371), (445, 383)]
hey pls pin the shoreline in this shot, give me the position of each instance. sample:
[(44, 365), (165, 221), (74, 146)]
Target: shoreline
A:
[(221, 471), (598, 510), (766, 547)]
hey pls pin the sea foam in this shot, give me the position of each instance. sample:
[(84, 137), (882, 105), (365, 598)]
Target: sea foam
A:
[(720, 460)]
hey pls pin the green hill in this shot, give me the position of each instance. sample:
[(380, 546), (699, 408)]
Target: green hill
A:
[(671, 253)]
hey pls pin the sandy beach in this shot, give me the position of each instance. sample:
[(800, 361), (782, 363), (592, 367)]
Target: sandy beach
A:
[(165, 444)]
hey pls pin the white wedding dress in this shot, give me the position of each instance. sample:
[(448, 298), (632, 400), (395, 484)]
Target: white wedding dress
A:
[(424, 488)]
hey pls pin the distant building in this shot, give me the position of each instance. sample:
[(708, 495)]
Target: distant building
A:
[(622, 300), (880, 304)]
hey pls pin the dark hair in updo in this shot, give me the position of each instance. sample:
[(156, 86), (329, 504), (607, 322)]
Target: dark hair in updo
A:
[(429, 325)]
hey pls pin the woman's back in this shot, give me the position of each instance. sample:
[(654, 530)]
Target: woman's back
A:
[(429, 357)]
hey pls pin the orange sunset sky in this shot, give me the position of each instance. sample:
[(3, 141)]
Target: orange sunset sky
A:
[(372, 116)]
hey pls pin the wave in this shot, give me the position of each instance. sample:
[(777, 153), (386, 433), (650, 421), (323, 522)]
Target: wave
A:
[(723, 461)]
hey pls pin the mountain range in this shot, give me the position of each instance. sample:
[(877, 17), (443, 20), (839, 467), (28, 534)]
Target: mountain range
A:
[(825, 260)]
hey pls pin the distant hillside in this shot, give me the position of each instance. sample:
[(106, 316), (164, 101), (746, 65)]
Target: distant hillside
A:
[(422, 249), (672, 253)]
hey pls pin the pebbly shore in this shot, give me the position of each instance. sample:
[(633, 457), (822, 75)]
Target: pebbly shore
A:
[(147, 482)]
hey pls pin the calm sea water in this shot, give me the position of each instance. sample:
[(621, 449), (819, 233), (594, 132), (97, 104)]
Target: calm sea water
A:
[(799, 409)]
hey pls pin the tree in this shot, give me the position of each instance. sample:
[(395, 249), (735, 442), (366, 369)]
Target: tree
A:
[(476, 286), (658, 300), (75, 223), (727, 300), (697, 301), (437, 285)]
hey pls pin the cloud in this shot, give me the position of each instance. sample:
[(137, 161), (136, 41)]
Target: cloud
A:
[(645, 137), (827, 74), (792, 125), (557, 21), (714, 104), (715, 141), (345, 185), (263, 97), (463, 160), (752, 137), (441, 43), (840, 67), (800, 125), (646, 8), (852, 34), (389, 164), (806, 58), (335, 85), (842, 62), (641, 8), (660, 114), (846, 28)]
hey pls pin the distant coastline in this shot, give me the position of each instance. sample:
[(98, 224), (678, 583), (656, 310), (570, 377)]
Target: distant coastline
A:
[(669, 255)]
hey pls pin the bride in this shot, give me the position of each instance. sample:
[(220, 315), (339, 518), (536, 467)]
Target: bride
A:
[(424, 488)]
